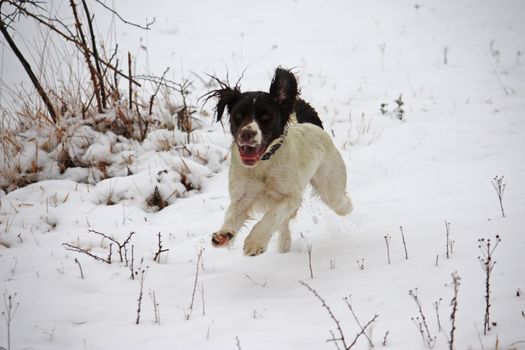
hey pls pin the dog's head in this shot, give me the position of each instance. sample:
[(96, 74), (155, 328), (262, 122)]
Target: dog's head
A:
[(257, 118)]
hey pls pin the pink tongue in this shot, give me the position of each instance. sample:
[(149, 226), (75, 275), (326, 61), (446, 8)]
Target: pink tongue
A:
[(250, 153)]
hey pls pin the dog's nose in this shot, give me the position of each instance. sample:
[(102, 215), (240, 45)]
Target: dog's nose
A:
[(247, 134)]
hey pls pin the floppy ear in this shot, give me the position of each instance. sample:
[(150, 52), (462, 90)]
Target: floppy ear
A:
[(227, 98), (284, 86)]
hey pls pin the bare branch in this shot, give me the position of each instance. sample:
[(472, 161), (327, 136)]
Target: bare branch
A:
[(159, 84), (348, 303), (332, 316), (95, 55), (71, 38), (84, 251), (121, 246), (29, 71), (148, 24), (87, 56)]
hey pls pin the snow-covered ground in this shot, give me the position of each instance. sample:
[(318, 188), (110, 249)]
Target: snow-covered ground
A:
[(460, 69)]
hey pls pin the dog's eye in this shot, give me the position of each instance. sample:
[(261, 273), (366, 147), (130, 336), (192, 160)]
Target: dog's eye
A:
[(237, 117)]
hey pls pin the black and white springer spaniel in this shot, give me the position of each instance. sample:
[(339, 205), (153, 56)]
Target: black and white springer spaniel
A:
[(279, 147)]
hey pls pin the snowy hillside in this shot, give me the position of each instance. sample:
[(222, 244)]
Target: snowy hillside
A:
[(459, 69)]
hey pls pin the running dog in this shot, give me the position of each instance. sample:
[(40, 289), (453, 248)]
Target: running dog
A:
[(279, 147)]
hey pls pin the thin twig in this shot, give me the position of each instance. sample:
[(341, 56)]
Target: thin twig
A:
[(84, 251), (362, 331), (332, 316), (139, 300), (385, 337), (454, 304), (10, 309), (349, 304), (427, 337), (387, 241), (436, 308), (80, 267), (121, 246), (130, 87), (159, 84), (309, 249), (499, 187), (447, 231), (160, 250), (404, 243), (95, 55), (487, 263), (190, 309), (238, 343), (146, 27), (87, 56), (156, 309)]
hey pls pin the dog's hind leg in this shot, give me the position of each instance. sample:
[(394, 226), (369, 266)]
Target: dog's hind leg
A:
[(329, 182), (285, 238)]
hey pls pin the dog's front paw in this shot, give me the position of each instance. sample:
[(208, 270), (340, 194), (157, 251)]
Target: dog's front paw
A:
[(255, 245), (221, 238)]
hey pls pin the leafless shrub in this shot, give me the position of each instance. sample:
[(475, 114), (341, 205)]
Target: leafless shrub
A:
[(340, 338), (78, 84), (499, 187), (122, 251), (141, 276), (487, 248), (421, 322), (160, 249), (454, 304), (10, 309), (349, 304)]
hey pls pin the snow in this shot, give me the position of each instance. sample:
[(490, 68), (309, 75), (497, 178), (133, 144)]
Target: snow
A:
[(463, 125)]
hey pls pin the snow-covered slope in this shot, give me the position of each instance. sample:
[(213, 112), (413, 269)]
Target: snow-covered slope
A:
[(460, 70)]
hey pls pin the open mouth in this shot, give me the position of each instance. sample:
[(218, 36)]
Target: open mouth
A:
[(250, 154)]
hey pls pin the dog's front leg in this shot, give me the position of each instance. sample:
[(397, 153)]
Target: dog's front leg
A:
[(258, 239), (241, 199)]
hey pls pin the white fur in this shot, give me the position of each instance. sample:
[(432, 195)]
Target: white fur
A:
[(275, 187), (253, 126)]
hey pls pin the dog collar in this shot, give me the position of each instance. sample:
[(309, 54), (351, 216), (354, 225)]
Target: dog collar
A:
[(277, 143)]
